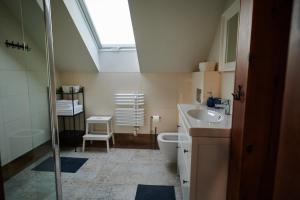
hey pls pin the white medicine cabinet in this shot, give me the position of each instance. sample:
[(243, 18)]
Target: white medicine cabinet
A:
[(229, 38)]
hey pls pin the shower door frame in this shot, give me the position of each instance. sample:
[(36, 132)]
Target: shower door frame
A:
[(52, 104), (52, 97)]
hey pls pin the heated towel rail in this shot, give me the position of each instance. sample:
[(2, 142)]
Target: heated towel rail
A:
[(129, 109)]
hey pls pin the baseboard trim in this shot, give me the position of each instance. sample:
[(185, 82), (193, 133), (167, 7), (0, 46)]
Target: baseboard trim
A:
[(129, 141), (12, 168)]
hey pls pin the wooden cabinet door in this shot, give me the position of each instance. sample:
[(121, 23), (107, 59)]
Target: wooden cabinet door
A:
[(1, 186)]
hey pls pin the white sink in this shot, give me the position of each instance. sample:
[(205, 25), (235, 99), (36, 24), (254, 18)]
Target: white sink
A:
[(205, 115)]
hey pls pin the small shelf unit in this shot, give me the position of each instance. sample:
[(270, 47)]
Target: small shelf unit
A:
[(72, 126)]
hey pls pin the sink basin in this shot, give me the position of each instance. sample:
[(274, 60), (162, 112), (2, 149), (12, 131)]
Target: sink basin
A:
[(205, 115)]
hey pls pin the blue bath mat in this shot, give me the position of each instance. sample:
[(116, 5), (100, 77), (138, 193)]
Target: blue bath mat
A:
[(68, 164), (155, 192)]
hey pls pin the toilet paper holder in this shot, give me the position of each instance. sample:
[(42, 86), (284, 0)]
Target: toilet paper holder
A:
[(154, 122)]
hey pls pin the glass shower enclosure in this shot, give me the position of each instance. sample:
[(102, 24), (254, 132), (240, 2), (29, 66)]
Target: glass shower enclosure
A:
[(27, 121)]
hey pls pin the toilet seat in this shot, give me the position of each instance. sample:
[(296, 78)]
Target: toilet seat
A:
[(168, 137), (168, 143)]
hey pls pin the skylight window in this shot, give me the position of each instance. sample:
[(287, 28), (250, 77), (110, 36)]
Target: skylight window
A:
[(112, 22)]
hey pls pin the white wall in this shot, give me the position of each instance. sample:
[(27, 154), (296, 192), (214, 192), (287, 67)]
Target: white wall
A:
[(73, 50), (215, 47), (227, 85), (119, 61), (83, 30), (227, 78), (163, 91), (23, 90), (214, 52)]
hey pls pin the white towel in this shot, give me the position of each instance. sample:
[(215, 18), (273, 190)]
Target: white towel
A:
[(67, 102), (69, 112)]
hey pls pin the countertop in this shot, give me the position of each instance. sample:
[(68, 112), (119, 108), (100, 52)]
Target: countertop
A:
[(198, 128)]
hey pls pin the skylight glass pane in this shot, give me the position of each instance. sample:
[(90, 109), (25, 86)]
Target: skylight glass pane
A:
[(112, 22)]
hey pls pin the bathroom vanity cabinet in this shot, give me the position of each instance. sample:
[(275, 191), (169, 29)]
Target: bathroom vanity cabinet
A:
[(202, 160)]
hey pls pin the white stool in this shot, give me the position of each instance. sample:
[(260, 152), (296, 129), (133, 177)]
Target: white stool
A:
[(98, 136)]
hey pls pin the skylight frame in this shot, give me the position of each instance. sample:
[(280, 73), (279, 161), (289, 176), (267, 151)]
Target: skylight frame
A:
[(93, 31)]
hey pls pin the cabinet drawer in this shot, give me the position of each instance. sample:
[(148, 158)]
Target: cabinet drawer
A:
[(186, 148), (184, 177), (184, 144)]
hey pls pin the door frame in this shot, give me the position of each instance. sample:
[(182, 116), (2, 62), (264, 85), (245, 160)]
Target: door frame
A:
[(288, 160), (261, 66)]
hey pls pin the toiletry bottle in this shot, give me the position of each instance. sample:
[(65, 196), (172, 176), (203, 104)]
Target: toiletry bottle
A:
[(210, 100)]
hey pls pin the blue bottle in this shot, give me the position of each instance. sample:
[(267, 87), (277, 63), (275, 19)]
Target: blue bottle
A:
[(217, 100), (210, 101)]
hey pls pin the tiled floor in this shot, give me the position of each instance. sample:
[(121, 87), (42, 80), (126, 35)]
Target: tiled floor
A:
[(110, 176)]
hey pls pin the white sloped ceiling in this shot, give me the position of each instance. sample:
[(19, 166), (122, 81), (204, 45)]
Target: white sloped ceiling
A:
[(70, 50), (173, 35)]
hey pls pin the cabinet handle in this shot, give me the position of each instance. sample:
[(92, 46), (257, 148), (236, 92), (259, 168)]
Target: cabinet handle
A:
[(185, 151), (177, 147), (178, 126), (184, 181)]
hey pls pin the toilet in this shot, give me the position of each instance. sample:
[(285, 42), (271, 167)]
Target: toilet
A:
[(167, 143)]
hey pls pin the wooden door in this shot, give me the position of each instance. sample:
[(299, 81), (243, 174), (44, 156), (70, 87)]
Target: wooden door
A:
[(287, 180), (261, 65), (1, 186)]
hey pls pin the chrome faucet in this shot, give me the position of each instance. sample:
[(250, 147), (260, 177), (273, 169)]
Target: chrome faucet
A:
[(225, 103)]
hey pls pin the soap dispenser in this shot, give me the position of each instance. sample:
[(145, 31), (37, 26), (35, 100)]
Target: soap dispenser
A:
[(210, 100)]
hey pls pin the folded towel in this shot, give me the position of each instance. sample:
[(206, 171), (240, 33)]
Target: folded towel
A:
[(65, 103), (69, 107), (69, 112), (65, 107)]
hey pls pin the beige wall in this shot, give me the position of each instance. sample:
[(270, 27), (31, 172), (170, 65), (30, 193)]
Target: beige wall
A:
[(208, 82), (163, 91)]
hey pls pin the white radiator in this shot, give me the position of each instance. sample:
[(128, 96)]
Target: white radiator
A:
[(129, 109)]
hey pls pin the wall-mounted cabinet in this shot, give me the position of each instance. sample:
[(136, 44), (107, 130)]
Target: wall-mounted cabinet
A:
[(229, 37), (205, 83)]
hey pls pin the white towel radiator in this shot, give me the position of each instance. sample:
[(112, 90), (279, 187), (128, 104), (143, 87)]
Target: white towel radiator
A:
[(129, 110)]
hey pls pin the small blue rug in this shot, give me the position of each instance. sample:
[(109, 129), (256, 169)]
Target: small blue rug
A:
[(68, 164), (155, 192)]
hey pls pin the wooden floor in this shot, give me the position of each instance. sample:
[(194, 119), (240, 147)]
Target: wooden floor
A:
[(129, 141), (122, 140)]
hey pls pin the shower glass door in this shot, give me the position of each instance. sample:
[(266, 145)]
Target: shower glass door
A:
[(25, 136)]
